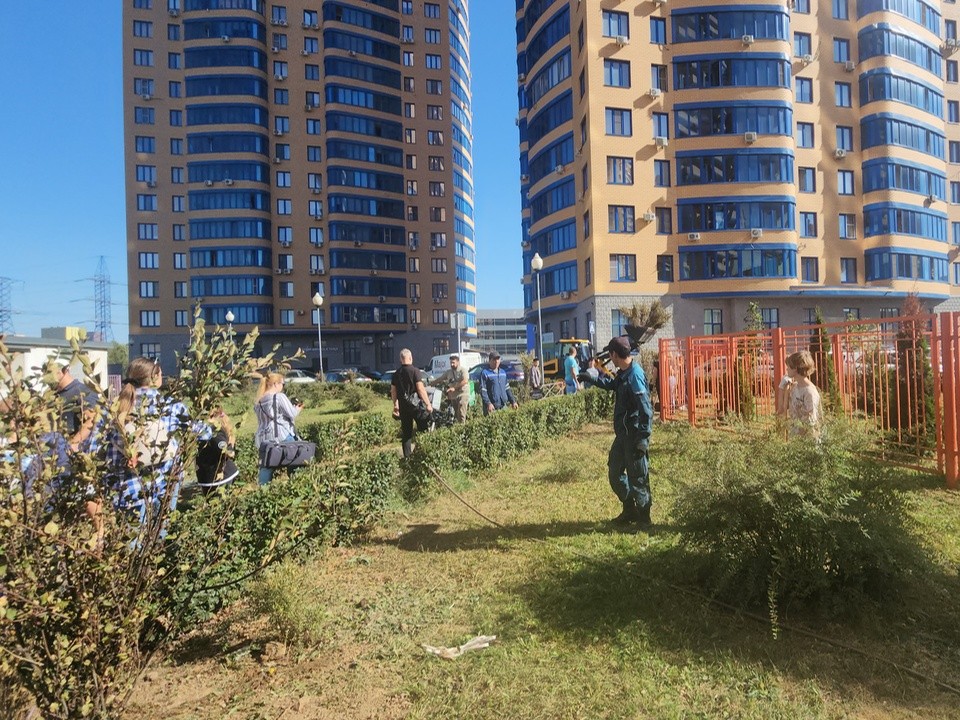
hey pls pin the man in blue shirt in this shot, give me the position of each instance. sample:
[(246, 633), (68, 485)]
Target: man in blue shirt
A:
[(571, 368), (494, 389), (628, 463)]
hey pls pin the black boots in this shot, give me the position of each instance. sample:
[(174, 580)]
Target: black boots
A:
[(633, 514)]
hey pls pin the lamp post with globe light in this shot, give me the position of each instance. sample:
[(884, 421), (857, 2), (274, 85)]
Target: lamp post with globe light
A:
[(536, 265), (318, 303)]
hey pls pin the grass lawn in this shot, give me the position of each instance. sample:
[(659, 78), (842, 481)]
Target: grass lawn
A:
[(588, 620)]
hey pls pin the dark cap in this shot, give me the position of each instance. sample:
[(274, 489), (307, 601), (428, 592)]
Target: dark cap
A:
[(493, 355), (620, 346)]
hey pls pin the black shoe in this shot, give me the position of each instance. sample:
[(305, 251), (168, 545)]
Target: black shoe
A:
[(627, 516), (642, 515)]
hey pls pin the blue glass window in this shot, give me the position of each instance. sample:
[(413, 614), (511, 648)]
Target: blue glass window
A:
[(618, 122), (737, 262), (658, 31), (616, 73), (804, 90)]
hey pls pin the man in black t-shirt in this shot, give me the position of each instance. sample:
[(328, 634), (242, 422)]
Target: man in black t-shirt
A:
[(406, 389)]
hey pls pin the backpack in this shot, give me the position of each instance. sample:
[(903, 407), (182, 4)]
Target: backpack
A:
[(151, 444)]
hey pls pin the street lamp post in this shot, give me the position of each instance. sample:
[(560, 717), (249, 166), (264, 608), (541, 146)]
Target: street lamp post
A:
[(536, 265), (318, 303), (229, 317)]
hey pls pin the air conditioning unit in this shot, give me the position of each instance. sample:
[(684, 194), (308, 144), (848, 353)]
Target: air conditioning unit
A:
[(524, 178), (227, 181), (749, 137), (309, 107), (314, 26), (287, 271), (314, 271), (278, 133), (279, 78), (315, 191), (285, 243), (305, 53), (693, 237), (274, 49), (318, 216), (147, 97), (305, 25), (225, 38), (661, 142), (931, 198), (413, 326), (415, 299), (352, 53), (655, 92), (173, 12), (358, 243), (952, 42), (840, 153), (368, 339), (406, 41), (279, 271), (564, 295), (806, 59), (382, 298), (436, 300), (660, 2), (525, 244), (208, 183), (649, 217), (756, 233), (622, 40), (849, 66), (274, 22), (277, 161), (282, 23), (748, 39), (582, 195), (522, 77), (559, 169)]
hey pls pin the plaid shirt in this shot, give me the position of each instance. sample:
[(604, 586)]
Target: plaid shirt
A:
[(130, 490)]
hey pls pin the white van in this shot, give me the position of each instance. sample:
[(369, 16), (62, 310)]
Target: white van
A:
[(441, 363)]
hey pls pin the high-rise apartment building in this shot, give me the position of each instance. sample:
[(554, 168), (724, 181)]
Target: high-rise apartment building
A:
[(797, 154), (274, 151)]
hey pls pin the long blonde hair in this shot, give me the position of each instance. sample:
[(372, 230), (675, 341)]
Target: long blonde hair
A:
[(266, 381), (140, 373)]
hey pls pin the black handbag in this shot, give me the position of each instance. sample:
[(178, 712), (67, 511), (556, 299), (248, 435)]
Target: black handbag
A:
[(290, 454)]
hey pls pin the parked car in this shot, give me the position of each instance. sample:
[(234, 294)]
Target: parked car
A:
[(514, 370), (299, 376), (346, 375), (387, 377)]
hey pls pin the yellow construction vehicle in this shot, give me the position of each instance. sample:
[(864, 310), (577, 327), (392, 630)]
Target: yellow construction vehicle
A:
[(555, 353)]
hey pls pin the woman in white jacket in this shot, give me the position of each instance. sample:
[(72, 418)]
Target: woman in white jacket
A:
[(275, 415)]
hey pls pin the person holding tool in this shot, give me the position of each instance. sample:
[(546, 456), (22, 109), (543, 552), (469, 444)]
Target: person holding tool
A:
[(628, 463)]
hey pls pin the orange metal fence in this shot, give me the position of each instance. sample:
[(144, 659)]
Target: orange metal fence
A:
[(901, 374)]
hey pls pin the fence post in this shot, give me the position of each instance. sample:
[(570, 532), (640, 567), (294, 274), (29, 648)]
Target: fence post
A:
[(663, 369), (950, 382), (691, 395)]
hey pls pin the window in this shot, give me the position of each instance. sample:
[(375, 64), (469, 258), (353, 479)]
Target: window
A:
[(841, 92), (176, 175), (406, 7), (848, 226), (616, 73), (438, 265), (848, 270), (953, 111), (281, 97), (801, 44), (623, 268), (314, 153), (143, 116), (286, 289), (431, 10), (618, 122), (810, 269), (434, 112), (410, 137), (173, 32), (145, 144), (431, 36), (437, 189), (661, 125), (658, 77), (287, 317), (180, 260), (142, 28), (147, 231), (176, 146), (149, 318), (284, 235), (434, 87), (313, 127), (615, 23), (841, 50), (661, 173), (807, 179), (146, 203), (845, 182), (173, 61), (808, 224), (434, 62), (180, 289), (620, 219), (804, 90), (801, 6), (804, 135), (664, 220), (176, 118), (770, 317), (148, 260), (435, 162), (407, 58), (434, 137), (181, 318), (587, 271), (712, 321), (586, 224), (845, 137), (951, 71), (143, 58), (620, 170), (179, 232), (284, 206), (658, 31), (149, 288), (955, 192), (664, 268), (840, 11)]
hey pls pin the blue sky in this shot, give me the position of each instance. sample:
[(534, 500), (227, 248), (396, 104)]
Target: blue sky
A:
[(61, 182)]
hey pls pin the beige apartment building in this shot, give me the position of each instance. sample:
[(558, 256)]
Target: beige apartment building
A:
[(276, 151), (799, 155)]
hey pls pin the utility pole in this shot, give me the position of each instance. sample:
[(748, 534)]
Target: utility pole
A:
[(6, 309), (103, 326)]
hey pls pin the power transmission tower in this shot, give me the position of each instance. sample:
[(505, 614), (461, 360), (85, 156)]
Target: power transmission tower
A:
[(103, 327), (6, 309)]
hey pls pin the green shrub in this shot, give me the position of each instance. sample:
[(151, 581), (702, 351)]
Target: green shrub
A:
[(293, 609), (791, 523)]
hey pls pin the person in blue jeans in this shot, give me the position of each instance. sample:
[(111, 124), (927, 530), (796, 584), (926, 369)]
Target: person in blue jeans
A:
[(571, 368), (628, 463), (275, 415), (494, 388)]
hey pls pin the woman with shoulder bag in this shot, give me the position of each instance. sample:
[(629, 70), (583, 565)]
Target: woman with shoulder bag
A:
[(275, 415)]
